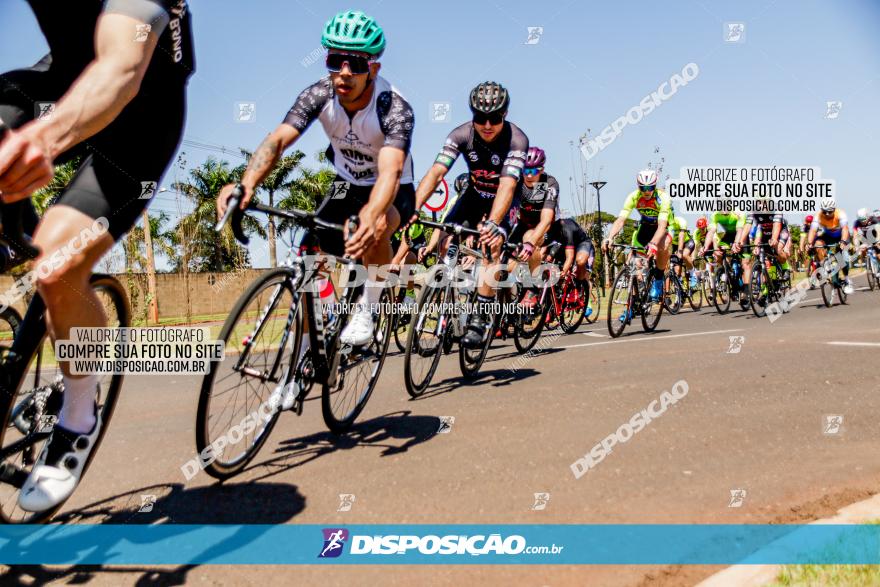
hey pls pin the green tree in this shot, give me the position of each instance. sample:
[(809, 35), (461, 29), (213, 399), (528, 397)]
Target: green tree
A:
[(201, 247), (47, 196), (307, 190), (277, 181)]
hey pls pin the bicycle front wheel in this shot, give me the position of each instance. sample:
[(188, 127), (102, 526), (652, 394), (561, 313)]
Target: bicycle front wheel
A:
[(235, 414), (30, 412)]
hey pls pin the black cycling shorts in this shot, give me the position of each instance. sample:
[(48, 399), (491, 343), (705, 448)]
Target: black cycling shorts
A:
[(122, 165), (470, 209), (348, 200)]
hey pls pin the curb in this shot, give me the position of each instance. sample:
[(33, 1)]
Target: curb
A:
[(754, 575)]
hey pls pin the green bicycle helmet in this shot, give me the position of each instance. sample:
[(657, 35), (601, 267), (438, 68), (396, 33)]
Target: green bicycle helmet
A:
[(353, 30)]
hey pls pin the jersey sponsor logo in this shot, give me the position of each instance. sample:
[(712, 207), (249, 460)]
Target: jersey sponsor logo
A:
[(356, 156), (496, 160), (473, 156), (179, 12)]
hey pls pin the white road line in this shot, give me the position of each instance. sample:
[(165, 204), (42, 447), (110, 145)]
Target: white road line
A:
[(846, 343), (596, 334), (649, 338)]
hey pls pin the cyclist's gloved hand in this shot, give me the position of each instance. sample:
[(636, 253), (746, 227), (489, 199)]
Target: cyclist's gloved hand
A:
[(652, 249), (526, 252), (492, 234)]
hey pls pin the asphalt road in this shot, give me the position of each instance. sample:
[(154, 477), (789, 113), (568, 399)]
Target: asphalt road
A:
[(751, 420)]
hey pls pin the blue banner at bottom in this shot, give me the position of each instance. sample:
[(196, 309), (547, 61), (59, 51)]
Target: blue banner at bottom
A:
[(694, 544)]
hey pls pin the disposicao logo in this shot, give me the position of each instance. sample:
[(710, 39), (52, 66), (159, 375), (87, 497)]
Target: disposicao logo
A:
[(334, 541)]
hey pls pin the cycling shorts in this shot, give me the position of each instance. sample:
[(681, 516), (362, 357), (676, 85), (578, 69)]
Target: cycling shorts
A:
[(346, 199), (122, 165), (470, 209)]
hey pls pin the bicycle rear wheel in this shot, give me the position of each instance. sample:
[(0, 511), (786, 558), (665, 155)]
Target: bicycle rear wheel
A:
[(871, 267), (695, 294), (722, 294), (650, 310), (528, 326), (357, 374), (574, 311), (235, 393), (471, 360), (30, 411)]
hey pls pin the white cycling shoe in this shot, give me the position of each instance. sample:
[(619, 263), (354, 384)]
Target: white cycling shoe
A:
[(58, 469), (359, 330), (848, 288)]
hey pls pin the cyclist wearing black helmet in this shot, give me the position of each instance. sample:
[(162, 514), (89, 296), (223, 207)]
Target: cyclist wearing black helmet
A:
[(495, 152)]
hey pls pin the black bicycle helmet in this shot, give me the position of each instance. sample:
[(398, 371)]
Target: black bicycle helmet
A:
[(489, 97)]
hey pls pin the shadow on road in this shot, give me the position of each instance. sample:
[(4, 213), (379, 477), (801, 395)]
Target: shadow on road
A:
[(169, 505), (394, 433)]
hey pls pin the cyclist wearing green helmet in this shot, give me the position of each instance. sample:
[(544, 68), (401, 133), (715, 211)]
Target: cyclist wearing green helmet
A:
[(370, 128)]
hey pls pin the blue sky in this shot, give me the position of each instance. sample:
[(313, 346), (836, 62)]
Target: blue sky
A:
[(761, 102)]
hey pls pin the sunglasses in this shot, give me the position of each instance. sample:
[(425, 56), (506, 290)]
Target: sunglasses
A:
[(356, 63), (647, 188), (493, 119), (533, 170)]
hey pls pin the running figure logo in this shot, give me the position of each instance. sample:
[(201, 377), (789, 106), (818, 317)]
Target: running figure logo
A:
[(334, 540), (832, 425), (346, 500), (832, 109), (142, 32), (737, 497), (44, 110), (734, 32), (148, 188), (339, 190), (736, 343), (541, 500), (446, 423), (535, 33), (147, 503), (440, 111)]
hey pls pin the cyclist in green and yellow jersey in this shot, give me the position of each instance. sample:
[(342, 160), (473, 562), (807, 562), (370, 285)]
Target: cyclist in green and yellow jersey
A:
[(655, 211)]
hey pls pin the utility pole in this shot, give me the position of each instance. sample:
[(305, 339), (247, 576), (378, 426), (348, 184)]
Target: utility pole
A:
[(153, 315)]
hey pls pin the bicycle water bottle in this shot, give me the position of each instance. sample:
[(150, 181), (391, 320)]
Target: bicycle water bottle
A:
[(328, 299)]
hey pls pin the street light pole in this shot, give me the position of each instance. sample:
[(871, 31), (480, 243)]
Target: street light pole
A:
[(599, 185)]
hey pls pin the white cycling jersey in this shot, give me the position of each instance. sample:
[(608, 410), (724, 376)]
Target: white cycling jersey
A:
[(355, 141)]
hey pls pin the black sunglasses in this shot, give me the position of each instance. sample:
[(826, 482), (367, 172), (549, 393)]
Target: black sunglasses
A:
[(356, 63), (494, 118)]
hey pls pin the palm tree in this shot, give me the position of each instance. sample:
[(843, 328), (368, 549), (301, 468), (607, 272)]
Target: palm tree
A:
[(203, 249), (45, 197), (307, 190), (277, 180)]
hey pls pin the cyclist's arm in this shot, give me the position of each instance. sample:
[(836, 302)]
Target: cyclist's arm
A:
[(391, 161), (93, 101), (511, 174), (263, 161), (429, 184), (503, 199), (569, 259), (548, 215)]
